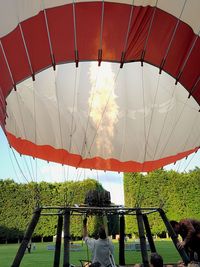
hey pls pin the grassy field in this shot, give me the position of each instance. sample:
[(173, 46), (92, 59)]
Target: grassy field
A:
[(42, 257)]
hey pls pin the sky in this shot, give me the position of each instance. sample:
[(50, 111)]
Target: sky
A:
[(26, 169)]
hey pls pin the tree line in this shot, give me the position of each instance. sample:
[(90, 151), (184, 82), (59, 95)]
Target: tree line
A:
[(18, 200), (177, 193)]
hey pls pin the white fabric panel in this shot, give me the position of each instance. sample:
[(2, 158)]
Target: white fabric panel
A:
[(171, 6), (131, 113), (53, 3), (8, 16), (190, 13), (14, 11), (27, 9)]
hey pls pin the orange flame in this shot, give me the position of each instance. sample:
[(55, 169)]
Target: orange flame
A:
[(102, 101)]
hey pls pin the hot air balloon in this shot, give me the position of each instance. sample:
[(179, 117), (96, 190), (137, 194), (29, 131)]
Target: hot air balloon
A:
[(107, 85), (111, 85)]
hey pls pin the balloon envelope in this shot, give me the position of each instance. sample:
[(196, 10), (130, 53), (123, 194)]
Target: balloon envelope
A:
[(104, 85)]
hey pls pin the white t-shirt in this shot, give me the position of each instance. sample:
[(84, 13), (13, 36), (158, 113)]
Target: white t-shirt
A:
[(101, 249)]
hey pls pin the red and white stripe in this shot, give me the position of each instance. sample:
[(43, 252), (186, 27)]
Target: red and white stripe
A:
[(164, 37)]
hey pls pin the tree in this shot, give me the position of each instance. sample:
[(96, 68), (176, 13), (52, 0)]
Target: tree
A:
[(177, 193), (17, 202)]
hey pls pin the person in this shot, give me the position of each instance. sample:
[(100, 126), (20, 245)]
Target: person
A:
[(34, 246), (180, 263), (29, 246), (194, 264), (102, 249), (189, 230), (156, 260)]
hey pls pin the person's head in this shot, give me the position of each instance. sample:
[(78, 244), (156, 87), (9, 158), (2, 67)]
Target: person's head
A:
[(156, 260), (102, 232), (194, 264), (175, 225), (180, 264)]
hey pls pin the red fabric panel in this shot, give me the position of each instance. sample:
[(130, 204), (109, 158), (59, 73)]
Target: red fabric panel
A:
[(2, 117), (61, 156), (138, 31), (88, 27), (160, 36), (5, 86), (115, 26), (191, 72), (61, 28), (88, 19), (179, 49), (16, 55), (5, 79), (35, 34)]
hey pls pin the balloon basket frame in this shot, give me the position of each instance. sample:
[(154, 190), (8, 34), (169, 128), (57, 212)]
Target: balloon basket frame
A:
[(63, 214)]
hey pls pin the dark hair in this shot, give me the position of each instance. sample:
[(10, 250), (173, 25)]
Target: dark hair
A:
[(102, 232), (174, 223), (156, 260)]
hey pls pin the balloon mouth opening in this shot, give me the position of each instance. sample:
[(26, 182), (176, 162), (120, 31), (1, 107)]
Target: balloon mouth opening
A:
[(104, 113)]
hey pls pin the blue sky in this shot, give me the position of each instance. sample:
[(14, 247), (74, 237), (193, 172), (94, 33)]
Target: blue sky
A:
[(37, 170), (25, 169)]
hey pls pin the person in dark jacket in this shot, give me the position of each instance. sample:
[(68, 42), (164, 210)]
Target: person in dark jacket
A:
[(189, 230)]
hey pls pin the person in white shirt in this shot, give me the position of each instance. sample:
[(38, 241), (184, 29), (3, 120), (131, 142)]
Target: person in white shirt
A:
[(101, 248)]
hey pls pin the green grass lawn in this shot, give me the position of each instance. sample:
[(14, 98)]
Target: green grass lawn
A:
[(42, 257)]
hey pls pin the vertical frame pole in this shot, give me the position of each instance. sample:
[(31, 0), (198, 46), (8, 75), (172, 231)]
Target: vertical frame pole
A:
[(58, 241), (66, 238), (27, 237), (148, 233), (121, 240), (143, 245)]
